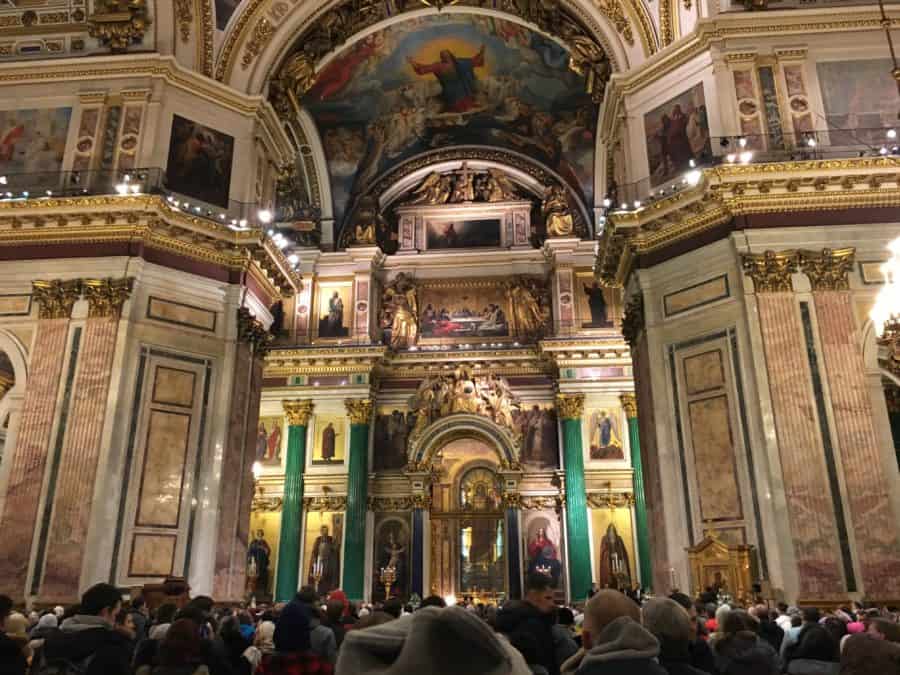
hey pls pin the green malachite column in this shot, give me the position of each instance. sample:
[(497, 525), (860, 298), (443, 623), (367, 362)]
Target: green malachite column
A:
[(360, 412), (571, 410), (629, 404), (287, 579)]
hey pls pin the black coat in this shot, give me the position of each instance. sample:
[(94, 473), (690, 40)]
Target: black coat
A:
[(110, 649), (531, 632), (12, 660)]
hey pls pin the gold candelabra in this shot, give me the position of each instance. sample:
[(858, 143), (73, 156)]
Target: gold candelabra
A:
[(388, 578)]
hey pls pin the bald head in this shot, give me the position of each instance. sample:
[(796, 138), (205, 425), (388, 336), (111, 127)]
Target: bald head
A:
[(605, 607)]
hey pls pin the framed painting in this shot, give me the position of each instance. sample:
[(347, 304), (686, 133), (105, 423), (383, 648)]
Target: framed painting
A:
[(391, 550), (269, 441), (613, 534), (543, 541), (33, 140), (334, 309), (471, 233), (596, 306), (200, 161), (859, 98), (322, 550), (330, 439), (392, 429), (262, 552), (540, 438), (605, 434), (676, 133), (463, 311)]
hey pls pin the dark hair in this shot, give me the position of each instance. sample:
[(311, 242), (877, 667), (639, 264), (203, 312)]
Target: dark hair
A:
[(182, 644), (811, 614), (682, 600), (737, 621), (334, 609), (565, 616), (535, 581), (121, 615), (394, 607), (739, 654), (99, 597), (165, 613), (796, 620), (6, 605), (782, 607), (433, 601), (137, 603), (889, 629), (307, 595), (835, 627), (202, 602), (814, 642)]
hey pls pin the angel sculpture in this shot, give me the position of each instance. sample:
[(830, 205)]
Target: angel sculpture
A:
[(498, 187), (556, 212), (435, 189), (399, 300)]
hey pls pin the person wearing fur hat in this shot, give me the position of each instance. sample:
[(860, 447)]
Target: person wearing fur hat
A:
[(436, 641), (615, 642)]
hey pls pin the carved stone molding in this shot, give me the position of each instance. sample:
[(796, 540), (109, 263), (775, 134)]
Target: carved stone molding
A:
[(262, 35), (266, 504), (511, 500), (106, 296), (297, 412), (253, 332), (541, 502), (388, 504), (570, 406), (359, 410), (828, 270), (771, 271), (118, 24), (56, 298), (184, 16), (629, 404), (633, 320), (610, 500), (329, 503)]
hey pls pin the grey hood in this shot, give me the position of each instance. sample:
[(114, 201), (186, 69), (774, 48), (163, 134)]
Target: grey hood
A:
[(80, 622), (621, 640), (432, 640)]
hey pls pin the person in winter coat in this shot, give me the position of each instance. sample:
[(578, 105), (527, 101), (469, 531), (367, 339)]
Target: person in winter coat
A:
[(672, 626), (745, 653), (615, 643), (433, 640), (292, 655), (866, 655), (700, 651), (816, 653), (528, 625)]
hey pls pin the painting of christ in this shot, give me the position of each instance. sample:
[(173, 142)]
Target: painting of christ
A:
[(457, 78)]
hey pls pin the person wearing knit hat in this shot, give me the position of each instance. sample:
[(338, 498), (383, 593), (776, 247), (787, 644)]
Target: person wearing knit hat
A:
[(614, 640), (292, 654), (436, 641)]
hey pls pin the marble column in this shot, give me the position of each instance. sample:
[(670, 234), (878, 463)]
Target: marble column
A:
[(798, 427), (513, 503), (236, 496), (571, 410), (874, 527), (360, 413), (55, 300), (288, 572), (629, 405), (83, 438)]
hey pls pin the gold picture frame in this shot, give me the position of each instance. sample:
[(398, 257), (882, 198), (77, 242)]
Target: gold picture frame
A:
[(322, 329), (464, 311)]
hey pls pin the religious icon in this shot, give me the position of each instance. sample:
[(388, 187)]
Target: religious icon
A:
[(258, 556), (543, 553), (615, 563), (677, 132), (392, 429), (329, 440), (597, 304), (605, 443), (331, 324), (324, 562), (268, 441), (540, 440), (391, 552), (200, 160)]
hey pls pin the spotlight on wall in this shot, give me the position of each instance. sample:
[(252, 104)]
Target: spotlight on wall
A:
[(693, 177), (265, 216), (742, 142), (746, 156), (3, 180), (891, 133)]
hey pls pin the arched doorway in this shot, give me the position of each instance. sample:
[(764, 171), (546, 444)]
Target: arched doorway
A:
[(469, 542)]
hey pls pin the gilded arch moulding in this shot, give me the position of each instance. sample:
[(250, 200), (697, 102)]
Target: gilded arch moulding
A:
[(462, 425)]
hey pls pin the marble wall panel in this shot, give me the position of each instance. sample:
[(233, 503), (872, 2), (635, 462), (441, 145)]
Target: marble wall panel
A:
[(162, 476), (696, 296), (874, 525), (173, 386), (152, 555), (30, 456), (714, 459), (181, 314), (704, 372), (15, 305), (78, 462), (806, 487)]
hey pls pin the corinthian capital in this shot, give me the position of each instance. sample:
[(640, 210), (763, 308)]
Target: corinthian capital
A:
[(56, 297), (771, 271), (570, 406), (359, 410), (828, 270), (106, 296), (298, 412)]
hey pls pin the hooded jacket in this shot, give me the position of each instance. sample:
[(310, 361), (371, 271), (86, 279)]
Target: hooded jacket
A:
[(531, 632), (84, 636), (436, 641), (623, 647)]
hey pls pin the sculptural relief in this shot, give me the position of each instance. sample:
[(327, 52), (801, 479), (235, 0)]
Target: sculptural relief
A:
[(400, 313), (530, 306), (556, 212)]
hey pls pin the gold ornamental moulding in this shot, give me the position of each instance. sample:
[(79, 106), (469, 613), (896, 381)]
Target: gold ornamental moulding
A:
[(325, 503), (359, 410), (297, 412), (610, 500), (827, 269), (334, 24), (324, 361), (570, 406), (629, 404)]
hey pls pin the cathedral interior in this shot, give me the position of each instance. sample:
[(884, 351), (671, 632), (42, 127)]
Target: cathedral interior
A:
[(413, 297)]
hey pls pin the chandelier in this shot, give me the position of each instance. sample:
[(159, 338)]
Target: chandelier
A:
[(885, 314)]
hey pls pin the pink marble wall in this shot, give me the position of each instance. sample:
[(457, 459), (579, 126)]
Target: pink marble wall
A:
[(803, 466), (78, 463), (29, 459), (651, 467), (874, 526)]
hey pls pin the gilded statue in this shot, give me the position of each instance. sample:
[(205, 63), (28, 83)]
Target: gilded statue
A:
[(527, 309), (365, 222), (557, 215), (495, 186), (435, 189), (296, 77), (463, 189), (400, 312)]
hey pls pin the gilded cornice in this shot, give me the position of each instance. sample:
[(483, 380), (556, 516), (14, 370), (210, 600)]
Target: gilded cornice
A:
[(541, 502), (323, 361), (586, 352), (425, 363), (390, 504), (326, 503), (828, 269), (771, 271), (610, 500), (570, 406), (728, 191), (252, 331), (359, 410), (148, 219), (297, 412)]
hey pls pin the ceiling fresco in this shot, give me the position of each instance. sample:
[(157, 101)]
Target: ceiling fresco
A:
[(452, 79)]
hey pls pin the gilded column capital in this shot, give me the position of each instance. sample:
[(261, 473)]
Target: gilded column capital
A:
[(250, 330), (629, 404), (633, 321), (771, 271), (118, 24), (570, 406), (828, 270), (106, 296), (56, 297), (298, 412), (359, 410)]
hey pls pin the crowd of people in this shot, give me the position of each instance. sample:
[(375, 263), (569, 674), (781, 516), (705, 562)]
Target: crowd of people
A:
[(610, 634)]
